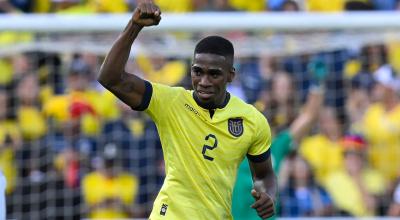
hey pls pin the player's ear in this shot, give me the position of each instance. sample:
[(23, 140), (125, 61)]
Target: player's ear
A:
[(231, 74)]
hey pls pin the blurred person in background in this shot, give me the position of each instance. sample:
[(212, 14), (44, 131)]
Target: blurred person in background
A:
[(283, 143), (249, 6), (302, 195), (358, 101), (179, 6), (160, 69), (109, 192), (290, 6), (16, 6), (338, 5), (356, 189), (140, 151), (10, 142), (29, 114), (381, 123), (323, 150), (394, 208), (82, 107), (281, 110), (87, 7)]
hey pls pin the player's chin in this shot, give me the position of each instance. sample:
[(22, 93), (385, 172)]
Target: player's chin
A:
[(205, 97)]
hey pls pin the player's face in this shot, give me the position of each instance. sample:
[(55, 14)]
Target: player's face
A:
[(210, 75)]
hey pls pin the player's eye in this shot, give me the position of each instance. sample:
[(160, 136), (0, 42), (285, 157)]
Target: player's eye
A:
[(196, 71), (215, 74)]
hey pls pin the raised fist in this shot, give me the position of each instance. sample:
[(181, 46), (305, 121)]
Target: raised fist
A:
[(146, 13)]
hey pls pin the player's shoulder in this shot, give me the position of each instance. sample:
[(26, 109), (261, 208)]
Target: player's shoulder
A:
[(249, 113), (160, 86), (247, 109)]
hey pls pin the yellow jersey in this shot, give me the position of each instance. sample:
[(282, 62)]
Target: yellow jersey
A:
[(202, 153)]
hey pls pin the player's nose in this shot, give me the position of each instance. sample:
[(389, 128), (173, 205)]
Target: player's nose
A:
[(204, 80)]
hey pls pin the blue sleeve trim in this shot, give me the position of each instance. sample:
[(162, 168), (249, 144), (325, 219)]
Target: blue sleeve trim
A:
[(259, 158), (148, 92)]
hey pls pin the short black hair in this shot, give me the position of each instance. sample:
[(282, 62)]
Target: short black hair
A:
[(215, 45)]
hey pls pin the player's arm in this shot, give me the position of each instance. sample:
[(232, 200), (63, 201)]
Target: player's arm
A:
[(128, 87), (265, 187)]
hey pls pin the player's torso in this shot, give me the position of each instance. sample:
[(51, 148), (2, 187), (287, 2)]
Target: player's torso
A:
[(202, 154)]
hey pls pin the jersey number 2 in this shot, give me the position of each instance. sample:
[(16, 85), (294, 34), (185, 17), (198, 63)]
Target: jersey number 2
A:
[(208, 147)]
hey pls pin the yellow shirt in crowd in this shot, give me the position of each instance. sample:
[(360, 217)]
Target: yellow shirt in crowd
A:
[(7, 163), (382, 130), (175, 6), (246, 5), (346, 193), (324, 155), (96, 188), (171, 73), (31, 122)]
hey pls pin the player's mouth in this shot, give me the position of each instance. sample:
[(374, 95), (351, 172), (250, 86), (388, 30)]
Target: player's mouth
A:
[(205, 94)]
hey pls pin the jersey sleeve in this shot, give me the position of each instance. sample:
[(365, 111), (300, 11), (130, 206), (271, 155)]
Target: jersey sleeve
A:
[(160, 100), (259, 151)]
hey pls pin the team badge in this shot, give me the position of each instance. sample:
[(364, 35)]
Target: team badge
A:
[(235, 126)]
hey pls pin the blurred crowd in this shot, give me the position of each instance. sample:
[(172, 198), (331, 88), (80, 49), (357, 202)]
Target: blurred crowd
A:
[(182, 6), (70, 148)]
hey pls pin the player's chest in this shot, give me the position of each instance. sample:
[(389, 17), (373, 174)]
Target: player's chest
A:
[(224, 139)]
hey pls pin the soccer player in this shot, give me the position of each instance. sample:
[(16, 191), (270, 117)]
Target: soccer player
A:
[(205, 132)]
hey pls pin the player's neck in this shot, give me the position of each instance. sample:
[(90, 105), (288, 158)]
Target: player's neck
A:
[(211, 106)]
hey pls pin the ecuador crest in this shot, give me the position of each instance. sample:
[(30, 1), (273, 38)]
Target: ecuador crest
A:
[(235, 126)]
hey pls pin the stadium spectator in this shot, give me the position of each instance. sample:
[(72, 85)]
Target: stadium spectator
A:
[(10, 142), (251, 6), (283, 143), (358, 101), (302, 196), (384, 5), (179, 6), (384, 117), (159, 69), (15, 6), (29, 116), (323, 150), (109, 192), (290, 6), (283, 103), (140, 151), (322, 6), (221, 5), (356, 188), (251, 80)]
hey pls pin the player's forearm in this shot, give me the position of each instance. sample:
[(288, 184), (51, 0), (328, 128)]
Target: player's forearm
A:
[(114, 64), (267, 184), (264, 179)]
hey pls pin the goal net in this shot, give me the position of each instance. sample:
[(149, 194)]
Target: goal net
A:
[(59, 124)]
